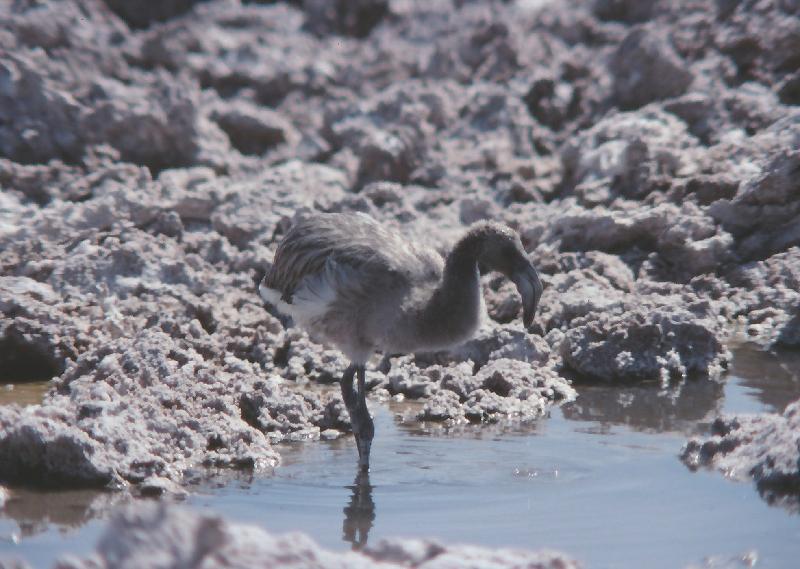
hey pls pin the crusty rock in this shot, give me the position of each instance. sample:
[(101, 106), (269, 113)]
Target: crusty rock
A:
[(504, 389), (766, 295), (764, 448), (646, 68), (390, 133), (503, 303), (156, 124), (520, 380), (300, 359), (694, 246), (154, 486), (252, 130), (136, 537), (484, 45), (648, 340), (91, 431), (607, 268), (42, 451), (628, 154), (763, 214), (242, 217), (33, 108), (407, 379), (579, 293), (497, 342)]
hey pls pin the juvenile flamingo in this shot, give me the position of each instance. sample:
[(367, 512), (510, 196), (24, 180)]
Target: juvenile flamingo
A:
[(362, 287)]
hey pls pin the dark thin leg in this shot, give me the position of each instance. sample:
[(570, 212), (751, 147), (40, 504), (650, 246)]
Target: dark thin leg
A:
[(348, 393), (360, 420), (362, 388), (367, 426)]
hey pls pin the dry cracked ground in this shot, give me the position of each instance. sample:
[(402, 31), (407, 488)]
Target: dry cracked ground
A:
[(152, 157)]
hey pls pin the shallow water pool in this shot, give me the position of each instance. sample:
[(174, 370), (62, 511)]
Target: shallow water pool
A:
[(599, 479)]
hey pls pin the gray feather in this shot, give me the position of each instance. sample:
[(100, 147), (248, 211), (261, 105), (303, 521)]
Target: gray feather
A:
[(355, 241)]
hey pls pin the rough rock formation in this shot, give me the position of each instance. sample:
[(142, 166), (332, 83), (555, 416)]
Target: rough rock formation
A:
[(172, 537), (641, 336), (645, 68), (134, 409), (502, 389), (764, 448), (767, 295)]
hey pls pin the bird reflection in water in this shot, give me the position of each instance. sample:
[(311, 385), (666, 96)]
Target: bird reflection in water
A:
[(359, 513)]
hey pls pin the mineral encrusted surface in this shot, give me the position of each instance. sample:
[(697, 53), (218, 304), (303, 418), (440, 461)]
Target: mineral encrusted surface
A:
[(169, 537), (151, 160), (764, 448)]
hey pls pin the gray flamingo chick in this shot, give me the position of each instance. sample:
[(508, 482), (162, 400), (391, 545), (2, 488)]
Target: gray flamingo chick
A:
[(362, 287)]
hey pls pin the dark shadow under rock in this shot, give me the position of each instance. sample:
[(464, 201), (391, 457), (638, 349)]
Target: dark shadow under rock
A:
[(646, 68), (347, 17), (252, 130), (143, 14), (22, 362), (789, 335)]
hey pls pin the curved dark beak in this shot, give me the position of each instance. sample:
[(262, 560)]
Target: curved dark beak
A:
[(530, 289)]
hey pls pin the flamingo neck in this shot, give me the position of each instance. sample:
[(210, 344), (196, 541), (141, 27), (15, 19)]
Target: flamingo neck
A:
[(453, 312)]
